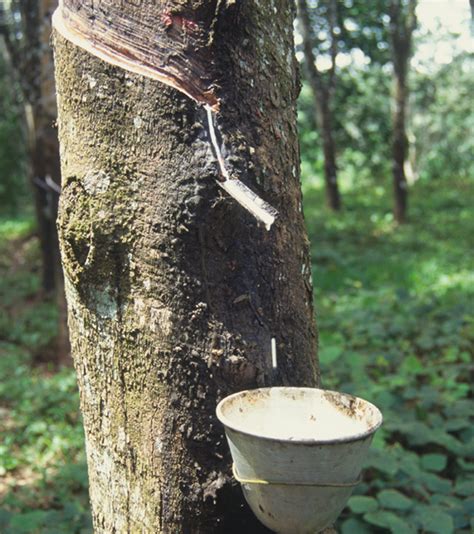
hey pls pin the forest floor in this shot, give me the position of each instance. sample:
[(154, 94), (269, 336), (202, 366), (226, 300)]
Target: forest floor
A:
[(43, 474), (396, 319)]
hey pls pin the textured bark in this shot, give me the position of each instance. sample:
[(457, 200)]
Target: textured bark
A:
[(329, 149), (174, 47), (322, 94), (174, 292), (402, 25), (400, 150)]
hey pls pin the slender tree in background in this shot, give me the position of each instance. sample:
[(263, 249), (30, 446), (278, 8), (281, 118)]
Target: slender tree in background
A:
[(471, 3), (402, 24), (26, 30), (174, 291), (323, 85)]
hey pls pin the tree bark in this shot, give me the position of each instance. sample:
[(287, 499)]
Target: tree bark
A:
[(402, 25), (322, 105), (174, 292), (46, 175), (329, 148), (400, 150), (33, 58)]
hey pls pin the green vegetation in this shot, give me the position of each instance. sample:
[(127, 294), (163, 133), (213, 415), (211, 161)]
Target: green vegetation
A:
[(396, 319), (443, 121), (394, 303), (397, 328), (13, 187), (43, 476)]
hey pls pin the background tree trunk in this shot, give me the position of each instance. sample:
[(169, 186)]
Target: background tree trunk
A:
[(322, 99), (329, 149), (47, 150), (174, 292), (402, 25), (400, 149), (26, 28), (471, 3), (44, 146)]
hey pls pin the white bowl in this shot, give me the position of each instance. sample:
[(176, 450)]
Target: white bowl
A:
[(297, 452)]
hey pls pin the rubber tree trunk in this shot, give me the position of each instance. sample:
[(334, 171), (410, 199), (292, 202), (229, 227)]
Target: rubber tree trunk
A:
[(46, 172), (402, 16), (26, 29), (174, 292), (400, 149), (329, 149), (322, 105), (36, 73), (471, 3)]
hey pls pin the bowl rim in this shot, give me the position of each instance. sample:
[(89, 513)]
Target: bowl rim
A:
[(305, 441)]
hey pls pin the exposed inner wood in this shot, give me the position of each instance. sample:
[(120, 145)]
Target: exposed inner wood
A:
[(175, 52)]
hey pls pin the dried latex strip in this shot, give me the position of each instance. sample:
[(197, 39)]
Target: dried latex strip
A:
[(176, 52)]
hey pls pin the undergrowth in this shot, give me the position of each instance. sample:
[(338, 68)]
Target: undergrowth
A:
[(396, 320), (43, 476), (396, 325)]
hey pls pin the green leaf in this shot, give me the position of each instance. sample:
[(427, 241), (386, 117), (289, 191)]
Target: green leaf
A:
[(435, 520), (460, 519), (448, 441), (389, 520), (361, 504), (383, 461), (412, 365), (464, 487), (410, 463), (468, 506), (446, 500), (452, 506), (454, 425), (435, 483), (466, 466), (394, 500), (434, 462)]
